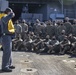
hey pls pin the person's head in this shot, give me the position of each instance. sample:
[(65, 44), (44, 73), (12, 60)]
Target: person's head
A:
[(47, 37), (63, 32), (8, 11), (32, 33), (16, 22), (66, 19), (49, 22), (58, 23), (53, 38), (61, 23), (23, 21)]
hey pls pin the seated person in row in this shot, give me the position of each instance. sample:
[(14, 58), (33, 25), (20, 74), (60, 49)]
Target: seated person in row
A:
[(64, 45)]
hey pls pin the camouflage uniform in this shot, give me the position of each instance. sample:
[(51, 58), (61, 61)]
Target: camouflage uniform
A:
[(44, 44), (74, 29), (18, 29), (17, 43), (65, 46), (73, 43), (24, 29), (37, 44), (50, 30), (68, 26), (61, 36), (60, 28), (54, 45)]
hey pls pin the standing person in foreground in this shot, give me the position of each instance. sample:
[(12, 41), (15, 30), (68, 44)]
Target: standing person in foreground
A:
[(7, 32)]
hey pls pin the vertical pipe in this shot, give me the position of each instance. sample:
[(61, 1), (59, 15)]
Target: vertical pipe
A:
[(62, 5)]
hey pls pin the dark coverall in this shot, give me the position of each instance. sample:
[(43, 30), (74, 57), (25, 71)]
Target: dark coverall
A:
[(6, 43)]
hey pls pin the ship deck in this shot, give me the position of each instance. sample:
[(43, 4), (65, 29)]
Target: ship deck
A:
[(28, 63)]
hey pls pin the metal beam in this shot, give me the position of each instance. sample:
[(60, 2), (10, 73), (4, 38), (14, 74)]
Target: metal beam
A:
[(60, 1), (30, 1), (27, 2), (62, 5)]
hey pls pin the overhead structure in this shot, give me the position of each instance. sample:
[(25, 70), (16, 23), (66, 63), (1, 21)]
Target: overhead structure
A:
[(44, 7), (65, 2), (69, 2), (32, 1)]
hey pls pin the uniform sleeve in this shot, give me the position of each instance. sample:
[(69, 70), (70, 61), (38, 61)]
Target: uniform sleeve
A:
[(5, 19)]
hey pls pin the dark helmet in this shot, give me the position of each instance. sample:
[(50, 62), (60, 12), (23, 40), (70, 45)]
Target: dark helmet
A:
[(7, 10)]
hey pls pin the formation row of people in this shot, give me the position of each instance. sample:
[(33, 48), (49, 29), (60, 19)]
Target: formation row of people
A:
[(46, 36)]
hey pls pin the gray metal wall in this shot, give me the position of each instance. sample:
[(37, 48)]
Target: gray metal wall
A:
[(53, 8), (43, 10), (3, 5), (70, 11), (49, 7)]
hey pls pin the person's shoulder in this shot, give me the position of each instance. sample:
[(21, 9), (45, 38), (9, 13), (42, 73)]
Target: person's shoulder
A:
[(25, 24), (2, 15)]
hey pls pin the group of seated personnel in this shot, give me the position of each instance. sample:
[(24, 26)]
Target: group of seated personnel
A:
[(47, 37), (64, 44)]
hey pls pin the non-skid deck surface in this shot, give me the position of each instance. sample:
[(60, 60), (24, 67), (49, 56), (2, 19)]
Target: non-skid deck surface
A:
[(44, 64)]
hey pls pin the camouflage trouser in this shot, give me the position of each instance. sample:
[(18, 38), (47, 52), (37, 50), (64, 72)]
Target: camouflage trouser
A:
[(73, 48), (17, 35), (23, 35), (55, 49), (64, 49)]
